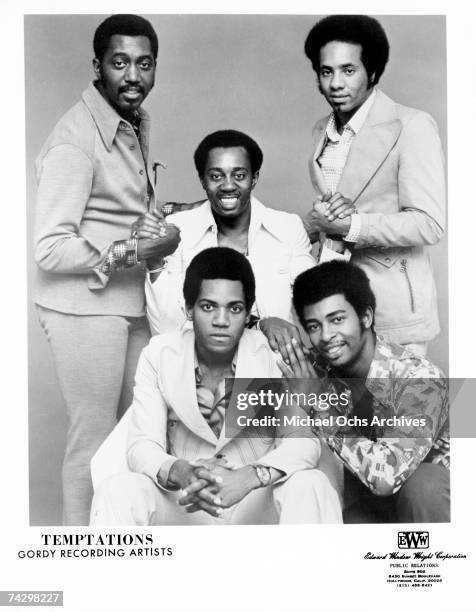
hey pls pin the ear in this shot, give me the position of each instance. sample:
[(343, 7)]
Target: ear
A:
[(255, 179), (97, 67), (368, 318), (372, 79), (247, 320), (189, 312)]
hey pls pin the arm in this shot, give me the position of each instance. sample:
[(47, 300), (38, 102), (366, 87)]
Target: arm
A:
[(385, 464), (421, 194), (147, 435)]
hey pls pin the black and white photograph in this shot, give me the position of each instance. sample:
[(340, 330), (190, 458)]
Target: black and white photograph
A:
[(254, 197)]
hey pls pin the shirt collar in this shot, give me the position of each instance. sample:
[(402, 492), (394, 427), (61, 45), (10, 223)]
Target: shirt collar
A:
[(355, 123), (107, 120), (205, 220)]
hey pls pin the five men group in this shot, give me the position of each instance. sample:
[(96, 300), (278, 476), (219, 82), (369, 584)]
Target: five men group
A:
[(219, 285)]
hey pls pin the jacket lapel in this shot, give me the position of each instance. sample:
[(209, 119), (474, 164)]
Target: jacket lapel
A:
[(317, 178), (180, 389), (370, 147)]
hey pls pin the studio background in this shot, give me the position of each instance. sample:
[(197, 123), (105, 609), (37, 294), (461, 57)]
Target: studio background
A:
[(214, 71)]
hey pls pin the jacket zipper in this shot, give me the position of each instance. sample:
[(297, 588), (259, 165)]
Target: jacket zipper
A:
[(403, 269)]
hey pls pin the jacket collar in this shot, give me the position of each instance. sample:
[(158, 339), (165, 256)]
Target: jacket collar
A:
[(260, 217), (178, 377), (107, 120)]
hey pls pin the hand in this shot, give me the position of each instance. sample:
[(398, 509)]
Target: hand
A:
[(317, 220), (279, 334), (149, 225), (155, 249), (182, 474), (338, 207), (299, 373), (230, 488)]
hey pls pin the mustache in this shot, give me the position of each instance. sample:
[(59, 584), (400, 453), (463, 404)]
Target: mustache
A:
[(138, 88)]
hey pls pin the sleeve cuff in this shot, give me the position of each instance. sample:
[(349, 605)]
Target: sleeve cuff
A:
[(355, 228), (163, 474)]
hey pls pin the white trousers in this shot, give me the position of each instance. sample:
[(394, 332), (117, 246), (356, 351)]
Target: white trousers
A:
[(134, 499)]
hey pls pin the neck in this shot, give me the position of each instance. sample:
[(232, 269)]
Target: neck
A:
[(212, 361), (361, 365), (234, 226)]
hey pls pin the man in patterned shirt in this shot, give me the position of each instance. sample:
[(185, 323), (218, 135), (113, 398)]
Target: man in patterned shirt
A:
[(392, 435)]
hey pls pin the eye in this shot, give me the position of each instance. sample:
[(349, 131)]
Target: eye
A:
[(206, 307), (312, 328), (119, 64), (215, 177), (325, 72), (145, 65), (349, 71), (240, 176), (236, 309), (337, 320)]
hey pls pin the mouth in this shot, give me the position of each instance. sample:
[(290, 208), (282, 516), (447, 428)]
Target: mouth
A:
[(229, 201), (339, 99), (132, 93), (220, 337), (333, 351)]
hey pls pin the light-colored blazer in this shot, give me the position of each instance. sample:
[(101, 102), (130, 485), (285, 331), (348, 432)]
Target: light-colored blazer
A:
[(395, 176), (164, 422), (278, 250)]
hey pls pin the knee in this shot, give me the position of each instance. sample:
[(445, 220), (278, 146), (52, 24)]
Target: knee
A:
[(122, 493), (308, 481)]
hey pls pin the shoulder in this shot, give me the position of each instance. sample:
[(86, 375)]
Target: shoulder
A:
[(408, 115), (171, 342), (284, 225), (403, 363), (76, 128)]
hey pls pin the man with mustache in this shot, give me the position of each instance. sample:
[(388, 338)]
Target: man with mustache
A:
[(386, 160), (392, 435), (93, 182)]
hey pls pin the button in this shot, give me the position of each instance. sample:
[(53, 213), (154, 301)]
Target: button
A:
[(387, 259), (132, 147), (219, 456), (141, 172)]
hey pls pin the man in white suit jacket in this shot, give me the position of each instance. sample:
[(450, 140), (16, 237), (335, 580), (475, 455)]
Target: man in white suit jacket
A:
[(386, 159), (177, 448)]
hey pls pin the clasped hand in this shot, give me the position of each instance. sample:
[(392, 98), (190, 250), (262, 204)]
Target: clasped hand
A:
[(156, 238)]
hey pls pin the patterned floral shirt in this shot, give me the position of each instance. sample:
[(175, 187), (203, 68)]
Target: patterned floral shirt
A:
[(402, 387)]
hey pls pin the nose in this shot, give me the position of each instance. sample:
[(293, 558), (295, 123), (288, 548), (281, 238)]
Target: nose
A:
[(228, 183), (327, 332), (132, 74), (221, 318), (336, 80)]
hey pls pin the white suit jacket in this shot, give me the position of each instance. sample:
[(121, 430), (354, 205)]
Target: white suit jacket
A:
[(395, 176), (278, 248), (164, 422)]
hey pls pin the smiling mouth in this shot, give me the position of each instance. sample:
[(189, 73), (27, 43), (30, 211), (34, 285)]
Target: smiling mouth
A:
[(334, 351), (228, 201)]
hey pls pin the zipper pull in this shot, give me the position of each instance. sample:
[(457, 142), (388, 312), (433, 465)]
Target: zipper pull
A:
[(403, 263)]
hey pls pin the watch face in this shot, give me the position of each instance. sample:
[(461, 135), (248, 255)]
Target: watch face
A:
[(263, 474)]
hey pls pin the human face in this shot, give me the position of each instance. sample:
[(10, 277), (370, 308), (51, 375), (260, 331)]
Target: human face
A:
[(219, 316), (343, 79), (126, 73), (337, 333), (228, 181)]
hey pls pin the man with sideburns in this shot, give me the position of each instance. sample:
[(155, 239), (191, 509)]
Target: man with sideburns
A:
[(392, 435), (385, 159), (93, 183)]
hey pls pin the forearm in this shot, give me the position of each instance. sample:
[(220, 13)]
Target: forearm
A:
[(384, 465)]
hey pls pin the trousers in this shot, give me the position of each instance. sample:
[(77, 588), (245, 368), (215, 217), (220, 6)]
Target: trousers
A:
[(134, 499), (95, 358)]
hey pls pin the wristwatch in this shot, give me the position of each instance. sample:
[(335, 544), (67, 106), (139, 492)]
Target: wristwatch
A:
[(264, 475)]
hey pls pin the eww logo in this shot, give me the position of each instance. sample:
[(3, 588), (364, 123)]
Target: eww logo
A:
[(413, 539)]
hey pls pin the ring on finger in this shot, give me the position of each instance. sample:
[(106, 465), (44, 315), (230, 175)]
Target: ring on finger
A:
[(134, 234), (162, 230)]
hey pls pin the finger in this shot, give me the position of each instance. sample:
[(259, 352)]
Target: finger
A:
[(306, 367), (211, 498), (283, 340), (145, 233), (294, 363), (286, 371), (194, 486), (158, 214), (344, 210), (208, 476), (326, 196), (203, 505)]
